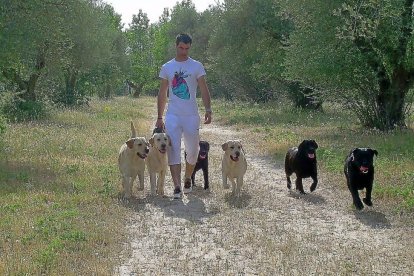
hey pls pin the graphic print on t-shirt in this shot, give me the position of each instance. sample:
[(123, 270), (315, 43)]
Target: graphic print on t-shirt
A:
[(179, 86)]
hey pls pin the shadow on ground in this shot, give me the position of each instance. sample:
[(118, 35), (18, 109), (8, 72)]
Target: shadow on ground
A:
[(238, 202), (309, 197), (372, 219), (190, 207)]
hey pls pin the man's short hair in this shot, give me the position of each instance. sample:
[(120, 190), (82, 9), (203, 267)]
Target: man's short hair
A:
[(184, 38)]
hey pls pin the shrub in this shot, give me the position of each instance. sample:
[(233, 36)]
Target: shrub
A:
[(16, 109)]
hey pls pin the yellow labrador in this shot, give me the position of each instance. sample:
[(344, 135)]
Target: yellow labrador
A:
[(131, 161), (234, 165), (157, 161)]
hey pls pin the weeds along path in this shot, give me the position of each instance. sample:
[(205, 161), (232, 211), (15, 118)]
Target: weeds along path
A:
[(267, 231)]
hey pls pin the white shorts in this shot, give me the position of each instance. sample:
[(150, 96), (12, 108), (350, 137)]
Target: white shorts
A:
[(188, 127)]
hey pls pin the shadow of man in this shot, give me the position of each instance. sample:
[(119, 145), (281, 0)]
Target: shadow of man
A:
[(190, 207)]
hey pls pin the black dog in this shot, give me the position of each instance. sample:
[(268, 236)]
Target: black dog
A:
[(202, 163), (302, 161), (158, 130), (359, 172)]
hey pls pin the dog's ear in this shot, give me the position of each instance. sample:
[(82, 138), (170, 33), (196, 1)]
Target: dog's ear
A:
[(354, 151), (314, 144), (151, 141), (224, 146), (130, 143), (133, 131), (302, 144), (373, 151)]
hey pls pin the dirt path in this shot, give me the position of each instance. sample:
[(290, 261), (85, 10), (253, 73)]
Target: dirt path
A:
[(268, 231)]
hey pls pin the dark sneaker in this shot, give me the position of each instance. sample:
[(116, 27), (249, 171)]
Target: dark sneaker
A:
[(187, 186), (177, 192)]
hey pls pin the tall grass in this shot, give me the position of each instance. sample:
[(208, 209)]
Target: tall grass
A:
[(337, 131), (59, 185)]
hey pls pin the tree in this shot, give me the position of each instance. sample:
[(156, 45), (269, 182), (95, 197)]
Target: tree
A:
[(92, 30), (140, 43), (359, 52), (29, 37), (247, 60)]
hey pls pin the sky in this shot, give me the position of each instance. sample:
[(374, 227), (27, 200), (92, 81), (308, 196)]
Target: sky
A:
[(153, 8)]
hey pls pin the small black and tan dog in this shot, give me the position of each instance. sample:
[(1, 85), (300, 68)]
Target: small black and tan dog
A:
[(359, 172), (302, 161), (202, 163), (158, 130)]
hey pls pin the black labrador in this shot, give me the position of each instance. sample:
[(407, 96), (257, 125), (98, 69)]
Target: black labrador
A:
[(302, 161), (202, 163), (359, 173)]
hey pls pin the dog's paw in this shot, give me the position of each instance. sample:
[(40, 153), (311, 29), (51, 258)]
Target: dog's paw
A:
[(139, 188), (301, 192), (367, 202), (359, 205), (313, 187)]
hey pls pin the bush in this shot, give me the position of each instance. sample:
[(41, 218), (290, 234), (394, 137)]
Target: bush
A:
[(3, 124), (16, 109)]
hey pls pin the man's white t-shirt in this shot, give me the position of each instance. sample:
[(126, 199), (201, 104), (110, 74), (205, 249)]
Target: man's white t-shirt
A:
[(182, 79)]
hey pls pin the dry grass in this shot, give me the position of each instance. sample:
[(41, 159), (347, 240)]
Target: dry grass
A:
[(59, 191)]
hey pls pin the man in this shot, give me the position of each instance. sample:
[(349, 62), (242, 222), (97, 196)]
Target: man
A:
[(181, 76)]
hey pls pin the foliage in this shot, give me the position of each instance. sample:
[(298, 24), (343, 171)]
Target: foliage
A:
[(246, 62), (360, 53), (140, 53), (16, 109), (52, 44)]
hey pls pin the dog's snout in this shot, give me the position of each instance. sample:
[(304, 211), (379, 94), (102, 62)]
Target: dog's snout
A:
[(163, 146), (237, 153), (146, 150)]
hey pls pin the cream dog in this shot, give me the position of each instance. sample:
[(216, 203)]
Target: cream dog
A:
[(157, 161), (131, 161), (234, 165)]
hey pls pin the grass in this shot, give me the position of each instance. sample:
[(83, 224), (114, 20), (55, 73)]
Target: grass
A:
[(280, 126), (60, 212), (59, 205)]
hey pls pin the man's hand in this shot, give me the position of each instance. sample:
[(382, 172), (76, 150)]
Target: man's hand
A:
[(207, 117), (160, 123)]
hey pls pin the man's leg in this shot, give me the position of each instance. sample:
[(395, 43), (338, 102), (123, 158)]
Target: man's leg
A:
[(189, 168), (191, 143), (176, 175), (174, 152)]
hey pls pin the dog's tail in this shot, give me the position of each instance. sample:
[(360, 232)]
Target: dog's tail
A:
[(133, 131)]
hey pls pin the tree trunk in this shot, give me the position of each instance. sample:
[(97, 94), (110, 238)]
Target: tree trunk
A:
[(137, 88), (70, 81), (30, 93), (304, 97), (391, 100)]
